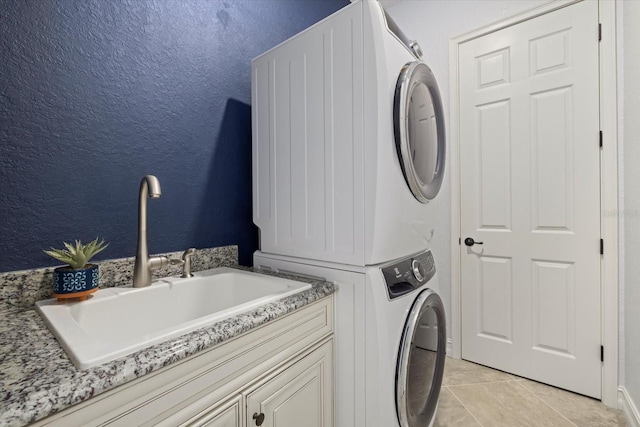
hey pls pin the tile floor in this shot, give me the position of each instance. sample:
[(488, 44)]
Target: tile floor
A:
[(473, 395)]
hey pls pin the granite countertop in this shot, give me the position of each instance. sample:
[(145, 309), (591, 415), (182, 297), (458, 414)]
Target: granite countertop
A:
[(37, 378)]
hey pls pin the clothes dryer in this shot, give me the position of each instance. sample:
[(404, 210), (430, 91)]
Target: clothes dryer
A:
[(390, 338), (348, 142)]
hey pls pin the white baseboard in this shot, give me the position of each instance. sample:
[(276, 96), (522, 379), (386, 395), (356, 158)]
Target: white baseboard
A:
[(628, 407), (449, 347)]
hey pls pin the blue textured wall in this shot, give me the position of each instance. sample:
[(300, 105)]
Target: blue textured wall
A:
[(96, 94)]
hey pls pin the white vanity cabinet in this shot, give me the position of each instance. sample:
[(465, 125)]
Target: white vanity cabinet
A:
[(281, 372)]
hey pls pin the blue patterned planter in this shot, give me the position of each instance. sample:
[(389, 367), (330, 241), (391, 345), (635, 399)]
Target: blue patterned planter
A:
[(69, 283)]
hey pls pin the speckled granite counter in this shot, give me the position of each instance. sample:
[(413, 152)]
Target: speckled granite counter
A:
[(37, 378)]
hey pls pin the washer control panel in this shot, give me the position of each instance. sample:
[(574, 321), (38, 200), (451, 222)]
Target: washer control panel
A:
[(404, 276)]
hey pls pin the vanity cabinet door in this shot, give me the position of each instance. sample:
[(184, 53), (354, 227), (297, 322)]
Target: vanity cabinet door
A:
[(227, 415), (299, 396)]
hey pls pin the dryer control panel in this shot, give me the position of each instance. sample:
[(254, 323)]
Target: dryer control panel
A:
[(408, 274)]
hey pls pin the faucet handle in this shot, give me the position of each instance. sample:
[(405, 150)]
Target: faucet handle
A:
[(186, 266), (156, 262)]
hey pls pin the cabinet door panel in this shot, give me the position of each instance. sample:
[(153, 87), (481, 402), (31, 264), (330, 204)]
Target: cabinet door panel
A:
[(228, 415), (299, 396), (298, 403)]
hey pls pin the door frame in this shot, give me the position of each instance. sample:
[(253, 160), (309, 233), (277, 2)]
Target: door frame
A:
[(608, 183)]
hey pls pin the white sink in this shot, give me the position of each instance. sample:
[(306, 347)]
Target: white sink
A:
[(115, 322)]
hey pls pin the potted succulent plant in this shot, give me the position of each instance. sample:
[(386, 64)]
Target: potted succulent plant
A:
[(78, 279)]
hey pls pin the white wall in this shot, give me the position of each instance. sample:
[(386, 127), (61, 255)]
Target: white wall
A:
[(630, 115), (621, 202), (433, 23)]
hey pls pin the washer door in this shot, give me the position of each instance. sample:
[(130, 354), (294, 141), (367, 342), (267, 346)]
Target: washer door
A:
[(421, 361), (418, 122)]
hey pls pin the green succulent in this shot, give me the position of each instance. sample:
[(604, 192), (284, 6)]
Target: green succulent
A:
[(79, 255)]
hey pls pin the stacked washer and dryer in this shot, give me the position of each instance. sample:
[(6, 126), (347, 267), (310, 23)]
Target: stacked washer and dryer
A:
[(348, 152)]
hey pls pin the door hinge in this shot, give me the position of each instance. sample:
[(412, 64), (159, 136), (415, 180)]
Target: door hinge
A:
[(602, 353), (601, 139), (599, 32), (601, 247)]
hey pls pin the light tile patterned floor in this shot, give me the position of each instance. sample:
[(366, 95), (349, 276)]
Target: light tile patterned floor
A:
[(475, 396)]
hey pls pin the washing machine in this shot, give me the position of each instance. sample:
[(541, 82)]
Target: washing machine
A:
[(348, 142), (390, 338)]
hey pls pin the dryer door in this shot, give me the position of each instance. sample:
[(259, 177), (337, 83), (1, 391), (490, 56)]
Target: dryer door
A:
[(421, 361), (418, 121)]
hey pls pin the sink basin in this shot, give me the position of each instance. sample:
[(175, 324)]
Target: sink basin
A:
[(119, 321)]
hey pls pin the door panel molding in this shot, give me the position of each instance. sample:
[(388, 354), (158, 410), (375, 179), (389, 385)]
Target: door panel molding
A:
[(608, 177)]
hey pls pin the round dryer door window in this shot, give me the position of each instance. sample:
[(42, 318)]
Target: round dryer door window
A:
[(418, 121), (421, 361)]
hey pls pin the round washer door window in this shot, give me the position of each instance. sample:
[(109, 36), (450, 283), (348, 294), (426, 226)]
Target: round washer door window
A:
[(418, 121), (421, 361)]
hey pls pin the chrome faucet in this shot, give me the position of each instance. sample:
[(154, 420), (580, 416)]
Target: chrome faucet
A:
[(149, 187)]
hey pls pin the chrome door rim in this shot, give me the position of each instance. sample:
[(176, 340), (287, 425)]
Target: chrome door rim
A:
[(412, 74), (427, 299)]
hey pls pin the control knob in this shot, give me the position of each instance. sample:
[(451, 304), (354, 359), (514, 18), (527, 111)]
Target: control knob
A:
[(418, 270)]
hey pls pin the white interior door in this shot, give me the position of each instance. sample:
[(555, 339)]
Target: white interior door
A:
[(529, 170)]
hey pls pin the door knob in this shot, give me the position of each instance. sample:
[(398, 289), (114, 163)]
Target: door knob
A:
[(259, 418), (470, 242)]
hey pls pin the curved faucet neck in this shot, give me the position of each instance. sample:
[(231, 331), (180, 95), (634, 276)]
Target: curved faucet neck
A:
[(149, 187), (142, 209)]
